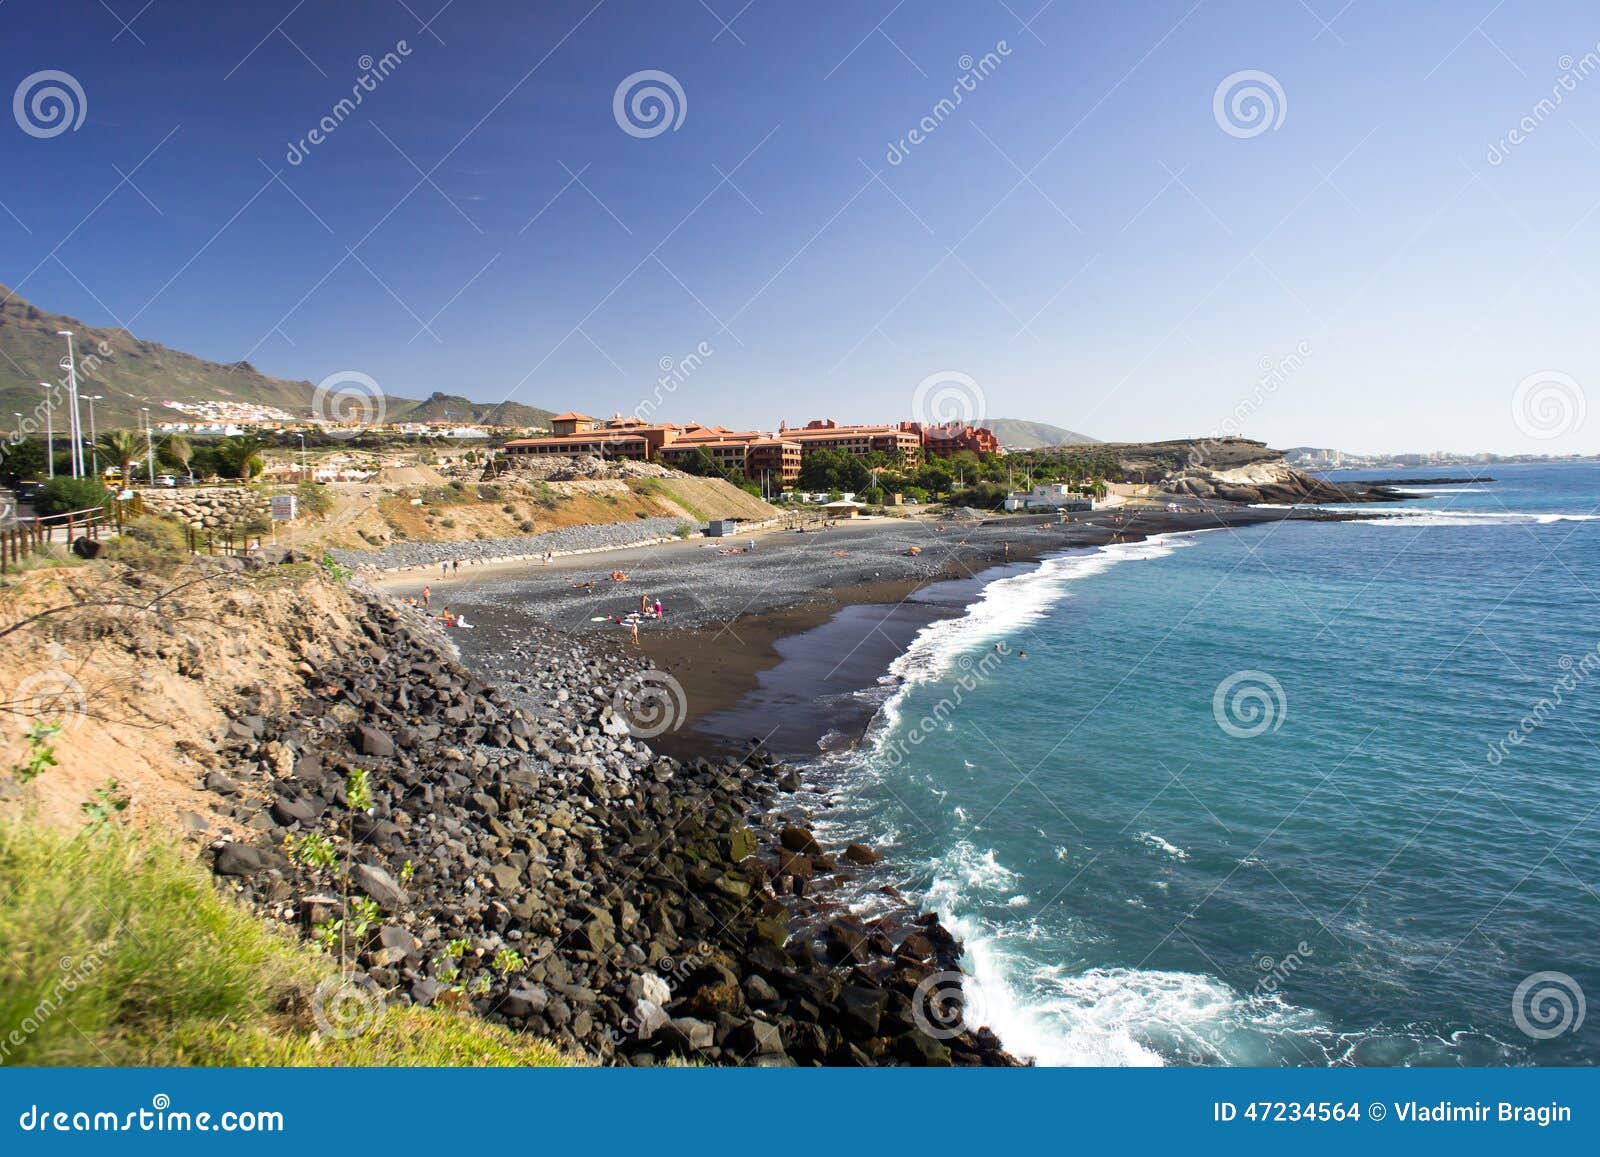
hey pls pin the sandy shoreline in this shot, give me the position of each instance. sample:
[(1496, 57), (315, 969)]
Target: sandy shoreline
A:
[(770, 643)]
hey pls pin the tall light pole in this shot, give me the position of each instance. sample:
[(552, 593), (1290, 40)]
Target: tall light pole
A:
[(304, 477), (94, 438), (49, 428), (149, 446), (72, 398)]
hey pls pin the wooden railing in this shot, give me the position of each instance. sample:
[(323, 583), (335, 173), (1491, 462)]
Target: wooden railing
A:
[(31, 535)]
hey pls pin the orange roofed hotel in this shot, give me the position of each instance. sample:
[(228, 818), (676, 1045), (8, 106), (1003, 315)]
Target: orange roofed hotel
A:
[(756, 454)]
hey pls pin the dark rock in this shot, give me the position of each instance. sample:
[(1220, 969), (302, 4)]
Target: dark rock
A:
[(798, 839), (374, 741), (861, 1011), (530, 1000), (378, 884), (244, 860)]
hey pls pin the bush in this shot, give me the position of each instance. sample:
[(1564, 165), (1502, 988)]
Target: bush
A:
[(150, 543), (61, 495), (313, 499)]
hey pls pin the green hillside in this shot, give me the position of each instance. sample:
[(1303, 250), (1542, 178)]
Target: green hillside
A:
[(133, 373), (1017, 434)]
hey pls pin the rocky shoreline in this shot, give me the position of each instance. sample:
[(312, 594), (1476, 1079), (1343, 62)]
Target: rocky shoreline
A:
[(521, 852)]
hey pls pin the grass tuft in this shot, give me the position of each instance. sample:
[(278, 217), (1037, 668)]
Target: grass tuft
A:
[(119, 951)]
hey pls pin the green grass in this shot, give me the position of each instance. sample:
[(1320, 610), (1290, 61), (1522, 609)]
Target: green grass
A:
[(659, 488), (120, 951)]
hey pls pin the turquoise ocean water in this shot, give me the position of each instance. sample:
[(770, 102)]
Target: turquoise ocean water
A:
[(1247, 797)]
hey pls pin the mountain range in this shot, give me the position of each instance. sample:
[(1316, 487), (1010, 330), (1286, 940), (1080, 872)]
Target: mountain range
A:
[(130, 373), (1020, 434)]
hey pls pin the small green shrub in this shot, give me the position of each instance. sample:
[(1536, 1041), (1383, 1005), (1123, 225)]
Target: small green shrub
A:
[(63, 494), (313, 499), (150, 542)]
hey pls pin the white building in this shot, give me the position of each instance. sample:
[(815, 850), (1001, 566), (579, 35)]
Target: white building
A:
[(1049, 496)]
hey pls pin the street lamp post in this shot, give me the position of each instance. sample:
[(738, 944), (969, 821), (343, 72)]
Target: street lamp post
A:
[(149, 446), (72, 398), (304, 477), (49, 429), (94, 438)]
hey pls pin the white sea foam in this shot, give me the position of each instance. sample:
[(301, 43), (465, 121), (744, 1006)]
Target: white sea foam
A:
[(1423, 516), (1052, 1013), (1058, 1015), (1001, 609), (1162, 845)]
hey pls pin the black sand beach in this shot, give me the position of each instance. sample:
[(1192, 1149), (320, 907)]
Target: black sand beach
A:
[(773, 642)]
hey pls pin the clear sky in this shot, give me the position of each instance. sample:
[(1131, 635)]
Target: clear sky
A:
[(1083, 235)]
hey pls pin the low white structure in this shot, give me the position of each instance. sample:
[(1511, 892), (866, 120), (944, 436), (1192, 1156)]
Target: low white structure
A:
[(1049, 496)]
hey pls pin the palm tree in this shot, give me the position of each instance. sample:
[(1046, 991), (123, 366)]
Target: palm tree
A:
[(122, 447), (241, 454), (177, 448)]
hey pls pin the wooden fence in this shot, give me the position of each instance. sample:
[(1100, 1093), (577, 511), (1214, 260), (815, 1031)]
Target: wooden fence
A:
[(31, 535)]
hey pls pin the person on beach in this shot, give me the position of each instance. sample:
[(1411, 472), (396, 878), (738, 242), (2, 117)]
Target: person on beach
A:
[(444, 569), (661, 611), (633, 628), (457, 566), (427, 593), (644, 604)]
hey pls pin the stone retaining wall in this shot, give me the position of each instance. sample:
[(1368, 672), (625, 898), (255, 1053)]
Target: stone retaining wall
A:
[(209, 507)]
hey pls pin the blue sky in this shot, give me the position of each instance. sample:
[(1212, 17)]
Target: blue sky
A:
[(1081, 236)]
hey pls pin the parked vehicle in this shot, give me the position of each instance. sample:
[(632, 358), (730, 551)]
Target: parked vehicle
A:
[(166, 480)]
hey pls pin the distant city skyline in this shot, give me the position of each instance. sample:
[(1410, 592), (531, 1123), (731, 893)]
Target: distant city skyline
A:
[(1371, 227)]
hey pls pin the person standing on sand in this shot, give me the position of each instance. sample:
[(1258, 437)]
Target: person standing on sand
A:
[(427, 593), (457, 565), (644, 604), (633, 628), (444, 569), (661, 611)]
